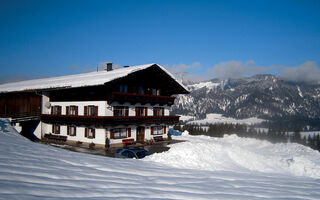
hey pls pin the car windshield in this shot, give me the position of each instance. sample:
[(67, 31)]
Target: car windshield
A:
[(119, 150), (141, 154)]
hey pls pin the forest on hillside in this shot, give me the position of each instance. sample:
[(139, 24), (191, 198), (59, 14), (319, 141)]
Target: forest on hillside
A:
[(270, 134)]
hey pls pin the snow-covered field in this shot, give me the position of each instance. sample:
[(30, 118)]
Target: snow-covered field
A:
[(200, 168), (218, 118), (186, 118)]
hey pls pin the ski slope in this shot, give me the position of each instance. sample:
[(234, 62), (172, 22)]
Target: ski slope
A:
[(200, 168)]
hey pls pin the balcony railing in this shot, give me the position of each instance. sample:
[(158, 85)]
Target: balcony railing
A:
[(101, 121), (122, 97)]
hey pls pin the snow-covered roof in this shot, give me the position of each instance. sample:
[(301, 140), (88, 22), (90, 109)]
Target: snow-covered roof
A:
[(78, 80)]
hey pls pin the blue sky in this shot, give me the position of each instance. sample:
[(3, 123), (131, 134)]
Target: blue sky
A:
[(204, 38)]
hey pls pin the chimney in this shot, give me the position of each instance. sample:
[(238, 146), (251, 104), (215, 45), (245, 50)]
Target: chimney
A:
[(108, 67)]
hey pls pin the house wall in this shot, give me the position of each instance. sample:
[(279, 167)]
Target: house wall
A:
[(80, 134), (102, 105), (45, 105), (18, 127), (104, 109), (38, 131)]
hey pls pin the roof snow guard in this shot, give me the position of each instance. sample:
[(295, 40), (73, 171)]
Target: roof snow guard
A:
[(79, 80)]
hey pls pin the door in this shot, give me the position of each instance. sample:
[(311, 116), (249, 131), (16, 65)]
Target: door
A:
[(140, 134)]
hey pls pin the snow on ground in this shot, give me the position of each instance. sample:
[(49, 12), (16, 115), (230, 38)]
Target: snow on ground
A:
[(233, 153), (218, 118), (305, 134), (311, 133), (185, 118), (205, 168)]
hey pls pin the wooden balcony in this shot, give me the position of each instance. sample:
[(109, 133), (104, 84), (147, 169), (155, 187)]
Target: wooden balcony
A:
[(133, 99), (100, 121)]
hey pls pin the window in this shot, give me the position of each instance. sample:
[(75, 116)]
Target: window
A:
[(90, 133), (128, 154), (155, 91), (71, 130), (140, 90), (91, 110), (141, 111), (157, 130), (118, 133), (72, 110), (120, 111), (158, 111), (124, 88), (55, 129), (56, 110)]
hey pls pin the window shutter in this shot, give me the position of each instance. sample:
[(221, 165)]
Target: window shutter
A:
[(127, 111), (59, 110), (86, 132), (145, 111), (151, 130), (67, 110), (58, 129), (111, 134), (164, 129), (68, 130), (76, 110), (85, 111), (129, 132), (93, 133), (51, 110), (52, 128), (96, 111), (137, 111), (75, 131)]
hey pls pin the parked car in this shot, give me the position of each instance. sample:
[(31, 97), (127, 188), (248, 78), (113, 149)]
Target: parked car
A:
[(131, 153)]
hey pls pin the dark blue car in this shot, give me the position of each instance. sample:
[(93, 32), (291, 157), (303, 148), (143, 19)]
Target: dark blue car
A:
[(135, 152)]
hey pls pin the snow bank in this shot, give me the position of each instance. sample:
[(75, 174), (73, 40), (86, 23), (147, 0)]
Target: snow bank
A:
[(233, 153), (213, 118), (34, 171)]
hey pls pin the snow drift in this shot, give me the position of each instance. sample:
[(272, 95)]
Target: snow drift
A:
[(233, 153), (34, 171)]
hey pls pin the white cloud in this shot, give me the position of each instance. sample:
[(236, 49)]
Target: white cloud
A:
[(237, 69), (307, 72), (182, 71), (180, 68)]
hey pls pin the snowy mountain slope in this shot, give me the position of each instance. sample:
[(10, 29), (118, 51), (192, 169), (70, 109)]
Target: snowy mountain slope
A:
[(262, 96), (213, 118), (34, 171)]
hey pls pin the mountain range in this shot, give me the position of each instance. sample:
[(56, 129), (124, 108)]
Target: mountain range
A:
[(263, 96)]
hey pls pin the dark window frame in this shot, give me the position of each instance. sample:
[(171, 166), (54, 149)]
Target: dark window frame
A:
[(158, 111), (120, 133), (121, 111), (157, 130), (56, 110), (70, 132), (141, 111), (56, 129)]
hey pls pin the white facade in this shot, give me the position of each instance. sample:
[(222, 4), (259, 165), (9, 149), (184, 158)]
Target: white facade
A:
[(101, 134)]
